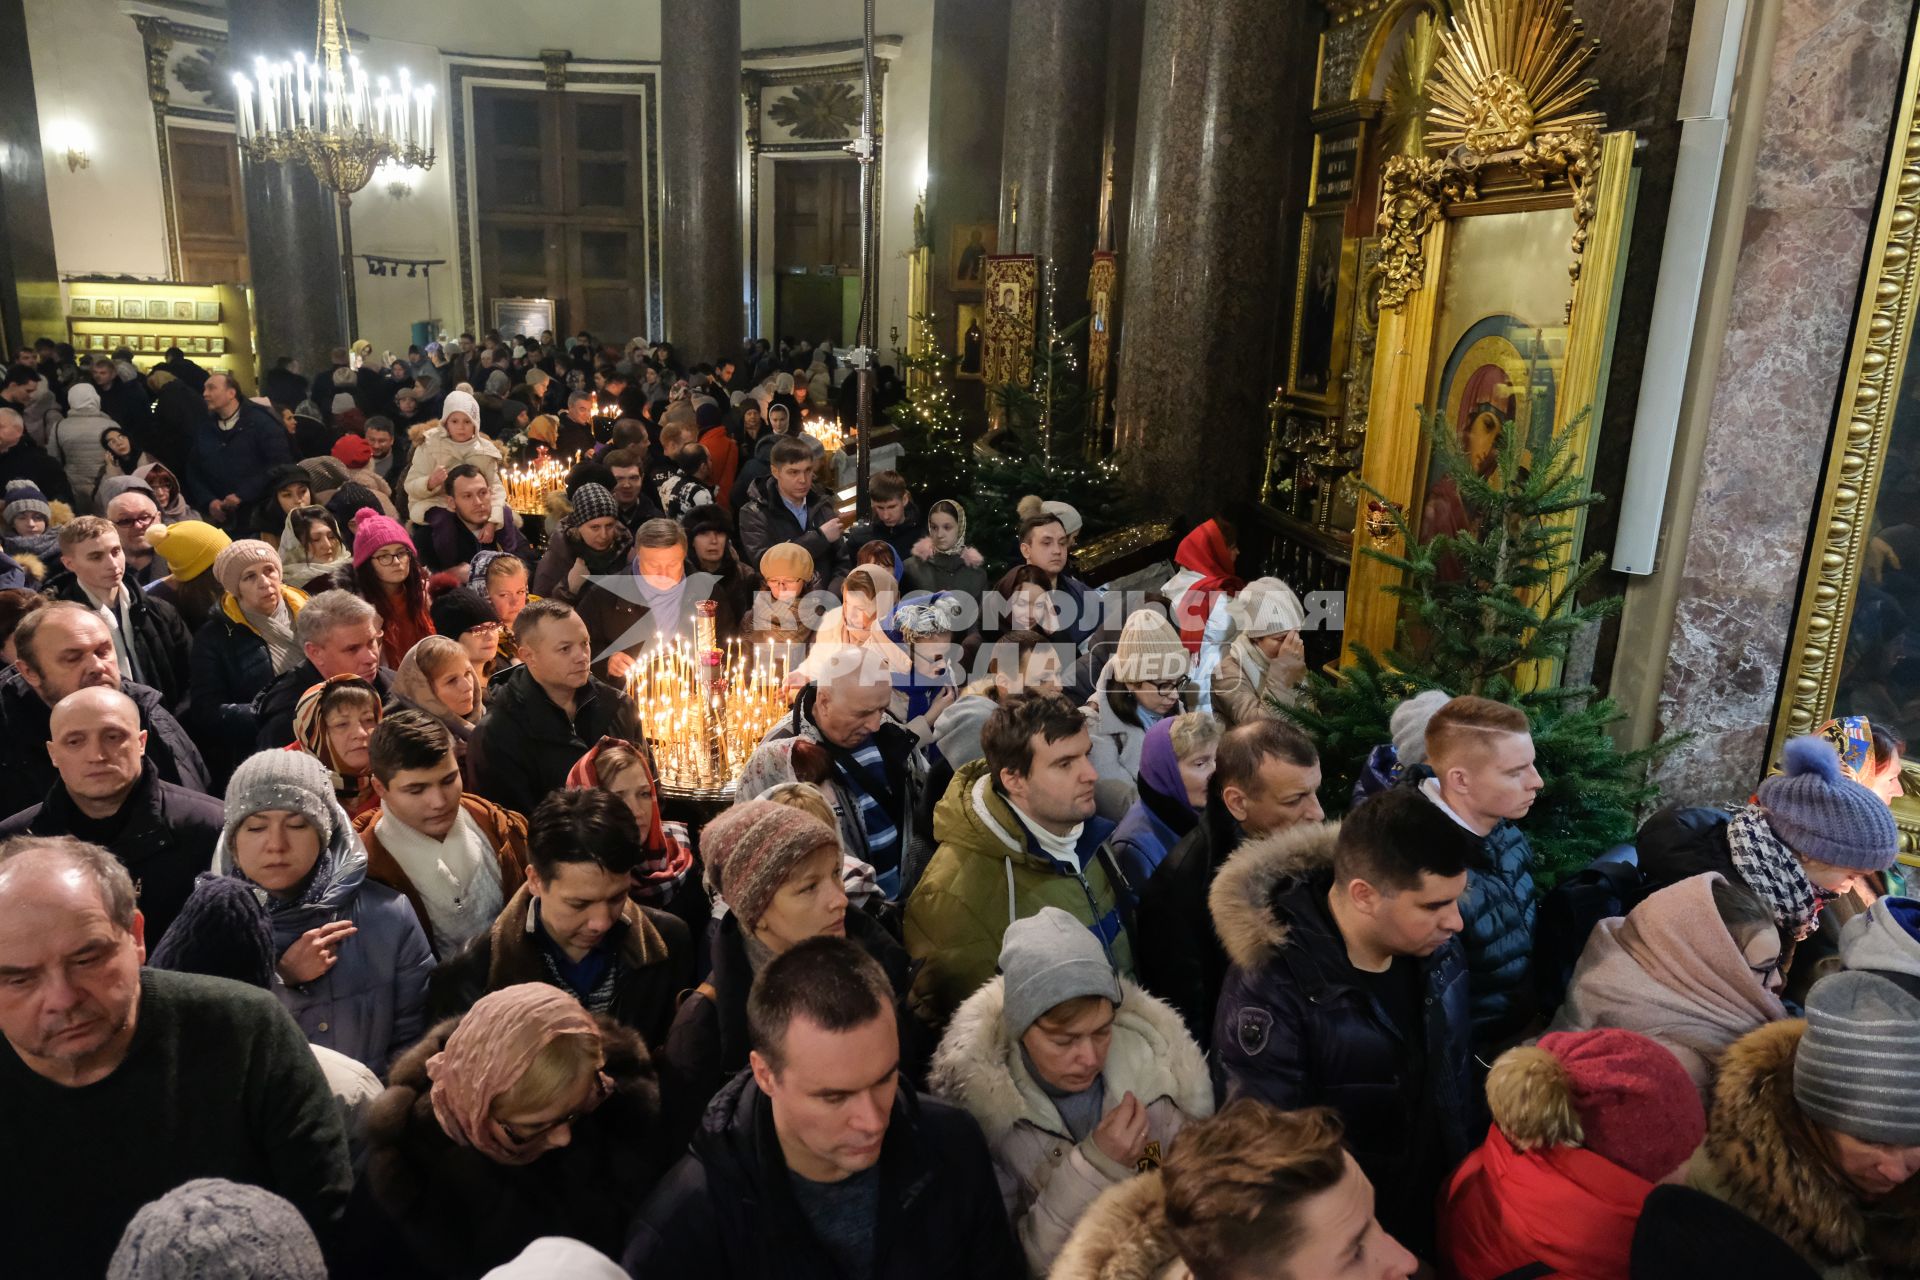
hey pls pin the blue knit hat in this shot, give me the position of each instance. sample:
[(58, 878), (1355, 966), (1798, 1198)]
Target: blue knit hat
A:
[(1819, 812), (221, 932)]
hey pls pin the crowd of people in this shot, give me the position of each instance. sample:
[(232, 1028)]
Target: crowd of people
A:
[(349, 927)]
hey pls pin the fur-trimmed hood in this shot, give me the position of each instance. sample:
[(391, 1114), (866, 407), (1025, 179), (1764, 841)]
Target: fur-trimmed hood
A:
[(1760, 1158), (1123, 1237), (1242, 898), (978, 1065)]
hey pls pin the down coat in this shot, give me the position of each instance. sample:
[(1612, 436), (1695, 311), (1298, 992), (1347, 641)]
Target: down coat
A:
[(433, 448), (1046, 1179)]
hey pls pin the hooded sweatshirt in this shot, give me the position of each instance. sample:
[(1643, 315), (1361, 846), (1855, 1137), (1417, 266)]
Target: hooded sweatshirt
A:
[(77, 447), (1885, 939)]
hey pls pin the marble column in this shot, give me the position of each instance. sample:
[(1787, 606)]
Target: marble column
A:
[(293, 241), (1834, 71), (29, 280), (1212, 161), (700, 134), (1056, 104)]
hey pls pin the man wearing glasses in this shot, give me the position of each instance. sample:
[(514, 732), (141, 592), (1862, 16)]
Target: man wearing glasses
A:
[(132, 513)]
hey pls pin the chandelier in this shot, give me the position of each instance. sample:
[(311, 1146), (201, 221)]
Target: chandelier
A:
[(330, 116)]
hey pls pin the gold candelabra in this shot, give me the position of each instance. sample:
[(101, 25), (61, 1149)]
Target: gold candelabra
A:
[(528, 483), (704, 708)]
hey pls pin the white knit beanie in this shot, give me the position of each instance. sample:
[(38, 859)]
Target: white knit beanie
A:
[(1150, 651), (1409, 724)]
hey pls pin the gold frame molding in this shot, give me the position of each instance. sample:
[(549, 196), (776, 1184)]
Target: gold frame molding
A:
[(1882, 336)]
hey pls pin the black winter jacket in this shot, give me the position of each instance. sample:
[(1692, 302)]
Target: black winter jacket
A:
[(526, 744), (167, 841), (727, 1211), (620, 621), (900, 537), (273, 709), (28, 461), (1176, 953), (765, 521), (162, 643), (238, 461), (27, 772)]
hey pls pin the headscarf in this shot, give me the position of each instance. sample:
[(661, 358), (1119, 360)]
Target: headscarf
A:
[(1162, 789), (666, 860), (1205, 552), (177, 509), (485, 1056), (354, 792), (412, 682), (299, 568)]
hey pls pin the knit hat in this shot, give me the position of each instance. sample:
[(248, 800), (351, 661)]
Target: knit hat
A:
[(353, 451), (1819, 812), (1150, 651), (1047, 959), (286, 476), (212, 1229), (376, 531), (189, 547), (344, 403), (1409, 724), (24, 498), (1847, 1074), (222, 931), (460, 402), (753, 847), (558, 1258), (458, 611), (1265, 607), (1620, 1095), (1069, 517), (1885, 938), (237, 557), (786, 560), (347, 502), (289, 780), (590, 502)]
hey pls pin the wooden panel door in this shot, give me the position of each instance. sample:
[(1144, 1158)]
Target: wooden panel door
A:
[(208, 206)]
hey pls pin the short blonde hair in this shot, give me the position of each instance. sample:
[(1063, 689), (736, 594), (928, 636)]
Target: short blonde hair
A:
[(1193, 732), (553, 1076), (805, 797)]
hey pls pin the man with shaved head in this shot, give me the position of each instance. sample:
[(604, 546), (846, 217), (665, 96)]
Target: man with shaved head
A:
[(110, 794), (122, 1083)]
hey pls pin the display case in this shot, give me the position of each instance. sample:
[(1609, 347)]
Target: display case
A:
[(211, 323)]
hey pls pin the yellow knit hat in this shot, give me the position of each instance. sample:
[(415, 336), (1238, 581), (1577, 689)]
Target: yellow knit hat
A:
[(188, 547)]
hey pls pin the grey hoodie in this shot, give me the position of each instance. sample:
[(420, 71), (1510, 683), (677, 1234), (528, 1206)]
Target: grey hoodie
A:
[(1885, 939), (957, 732)]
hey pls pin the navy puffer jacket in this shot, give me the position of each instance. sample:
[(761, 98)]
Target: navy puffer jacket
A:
[(1498, 911)]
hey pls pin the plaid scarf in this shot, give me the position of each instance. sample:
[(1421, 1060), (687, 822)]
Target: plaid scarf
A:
[(1773, 871)]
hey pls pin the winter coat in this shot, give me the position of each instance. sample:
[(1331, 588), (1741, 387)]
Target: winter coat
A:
[(987, 873), (239, 461), (1497, 913), (1295, 1027), (449, 543), (653, 965), (273, 709), (1560, 1207), (178, 413), (708, 1044), (1143, 838), (162, 644), (1763, 1157), (727, 1211), (944, 572), (524, 746), (230, 668), (681, 493), (1124, 1236), (1234, 698), (1181, 960), (371, 1004), (765, 521), (1671, 971), (28, 461), (167, 841), (901, 537), (27, 772), (620, 621), (76, 444), (434, 449), (505, 830), (756, 463), (1048, 1181), (1380, 771), (459, 1213), (1117, 741)]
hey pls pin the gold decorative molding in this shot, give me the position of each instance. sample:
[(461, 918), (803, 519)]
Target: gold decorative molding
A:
[(1409, 95), (1414, 194), (1509, 71)]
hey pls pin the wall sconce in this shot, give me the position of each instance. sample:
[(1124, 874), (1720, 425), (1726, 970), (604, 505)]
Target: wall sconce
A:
[(71, 140), (399, 189)]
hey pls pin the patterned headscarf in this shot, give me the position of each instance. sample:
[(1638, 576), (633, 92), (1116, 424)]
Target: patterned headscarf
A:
[(667, 857), (310, 734), (495, 1043)]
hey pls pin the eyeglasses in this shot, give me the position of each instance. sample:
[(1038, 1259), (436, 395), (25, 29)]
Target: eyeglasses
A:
[(392, 557), (483, 628), (134, 522), (1167, 687), (1765, 972), (521, 1135)]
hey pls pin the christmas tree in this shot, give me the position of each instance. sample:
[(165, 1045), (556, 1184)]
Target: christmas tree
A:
[(1491, 608), (937, 462)]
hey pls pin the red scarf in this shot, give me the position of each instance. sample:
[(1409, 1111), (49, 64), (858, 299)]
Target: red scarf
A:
[(1564, 1206), (666, 860), (1205, 552)]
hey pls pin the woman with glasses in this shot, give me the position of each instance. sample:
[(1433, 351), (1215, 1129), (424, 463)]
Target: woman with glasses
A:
[(1694, 966), (388, 576), (774, 616), (1144, 682), (525, 1117)]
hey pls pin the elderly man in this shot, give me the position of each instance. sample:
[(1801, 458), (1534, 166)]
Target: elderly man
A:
[(21, 458), (235, 453), (626, 613), (455, 537), (60, 649), (151, 640), (576, 429), (164, 1077), (340, 634), (110, 793), (132, 512)]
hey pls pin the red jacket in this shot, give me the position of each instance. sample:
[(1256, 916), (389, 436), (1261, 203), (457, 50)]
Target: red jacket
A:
[(1563, 1206)]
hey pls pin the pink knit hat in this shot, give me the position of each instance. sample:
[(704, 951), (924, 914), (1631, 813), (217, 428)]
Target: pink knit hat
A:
[(753, 847), (376, 531)]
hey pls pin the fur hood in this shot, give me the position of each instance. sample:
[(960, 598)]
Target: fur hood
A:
[(1241, 900), (1760, 1158), (978, 1065), (1123, 1237)]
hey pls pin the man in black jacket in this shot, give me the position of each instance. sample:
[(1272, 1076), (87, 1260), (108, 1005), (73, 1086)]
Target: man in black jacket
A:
[(656, 601), (234, 453), (895, 520), (22, 459), (340, 634), (1264, 782), (543, 715), (109, 794), (820, 1160), (152, 642), (61, 649), (1348, 989), (784, 507)]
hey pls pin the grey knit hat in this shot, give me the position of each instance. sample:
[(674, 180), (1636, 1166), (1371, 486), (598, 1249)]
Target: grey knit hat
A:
[(23, 498), (237, 557), (1049, 958), (289, 780), (753, 847), (1854, 1071), (1819, 812), (590, 502), (212, 1229), (1409, 724)]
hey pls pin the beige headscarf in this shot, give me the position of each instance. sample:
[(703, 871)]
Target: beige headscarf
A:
[(488, 1053), (413, 679)]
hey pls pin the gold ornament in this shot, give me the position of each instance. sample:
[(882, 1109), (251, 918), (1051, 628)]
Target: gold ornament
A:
[(1508, 71)]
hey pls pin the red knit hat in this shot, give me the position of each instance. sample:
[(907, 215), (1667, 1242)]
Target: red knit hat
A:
[(1617, 1093), (353, 450)]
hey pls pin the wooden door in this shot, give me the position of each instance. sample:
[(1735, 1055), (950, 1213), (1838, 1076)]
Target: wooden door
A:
[(209, 208)]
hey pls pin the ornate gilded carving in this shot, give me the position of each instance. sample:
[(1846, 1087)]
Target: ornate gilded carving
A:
[(1509, 70), (1012, 299), (1408, 96), (1103, 285), (1414, 194)]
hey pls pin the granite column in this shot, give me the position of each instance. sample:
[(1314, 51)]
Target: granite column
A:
[(292, 234), (700, 135), (29, 280)]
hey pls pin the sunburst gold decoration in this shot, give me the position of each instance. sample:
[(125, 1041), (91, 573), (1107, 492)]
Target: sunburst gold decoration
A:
[(1509, 71), (1403, 120)]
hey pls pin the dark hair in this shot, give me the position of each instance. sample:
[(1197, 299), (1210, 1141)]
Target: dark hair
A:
[(1007, 738), (1395, 838), (20, 375), (414, 601), (460, 472), (628, 457), (15, 604), (831, 982), (886, 486), (628, 433), (1033, 522), (1245, 748), (380, 423), (407, 740), (537, 612), (582, 825), (1234, 1184), (786, 451), (1887, 743), (1740, 910), (878, 551), (1023, 642), (690, 457)]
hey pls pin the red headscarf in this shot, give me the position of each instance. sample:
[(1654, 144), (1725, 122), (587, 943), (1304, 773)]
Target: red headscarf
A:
[(1205, 552), (667, 859)]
